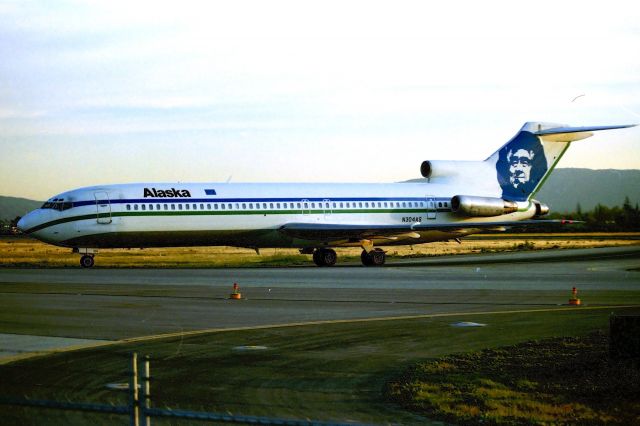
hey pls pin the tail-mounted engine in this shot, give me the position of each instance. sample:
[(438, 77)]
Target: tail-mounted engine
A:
[(434, 169), (541, 209), (469, 205)]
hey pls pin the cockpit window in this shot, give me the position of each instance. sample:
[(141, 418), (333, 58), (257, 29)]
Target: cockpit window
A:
[(57, 204)]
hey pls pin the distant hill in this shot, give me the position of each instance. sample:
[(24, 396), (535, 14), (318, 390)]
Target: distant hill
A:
[(562, 192), (10, 207), (565, 188), (568, 187)]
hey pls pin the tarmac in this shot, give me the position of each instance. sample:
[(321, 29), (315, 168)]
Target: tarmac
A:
[(46, 310)]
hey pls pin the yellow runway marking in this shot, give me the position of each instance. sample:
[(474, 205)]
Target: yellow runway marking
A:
[(298, 324)]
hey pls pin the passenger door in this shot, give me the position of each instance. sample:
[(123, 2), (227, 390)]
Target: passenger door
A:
[(103, 207)]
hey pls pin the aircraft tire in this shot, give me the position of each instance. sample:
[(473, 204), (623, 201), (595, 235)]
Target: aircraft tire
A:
[(365, 258), (378, 257), (325, 257), (329, 257), (86, 261), (316, 257)]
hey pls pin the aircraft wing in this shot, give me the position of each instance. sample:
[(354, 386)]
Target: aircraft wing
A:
[(327, 231)]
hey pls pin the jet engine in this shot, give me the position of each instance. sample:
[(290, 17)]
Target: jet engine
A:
[(541, 208), (446, 169), (469, 205)]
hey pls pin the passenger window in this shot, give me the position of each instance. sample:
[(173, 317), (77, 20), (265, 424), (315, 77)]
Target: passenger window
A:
[(135, 207), (150, 206), (201, 206), (299, 205), (439, 204), (385, 204), (223, 206), (173, 206), (313, 205), (179, 206), (360, 205), (348, 205), (277, 205), (244, 206), (341, 205), (144, 207), (208, 206), (186, 206), (215, 207), (237, 206), (366, 205), (334, 205), (230, 206), (128, 206), (195, 207)]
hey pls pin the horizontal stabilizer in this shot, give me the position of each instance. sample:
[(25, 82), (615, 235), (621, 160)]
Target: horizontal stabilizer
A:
[(571, 134)]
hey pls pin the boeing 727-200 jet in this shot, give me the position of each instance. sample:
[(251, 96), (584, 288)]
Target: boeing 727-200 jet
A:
[(459, 198)]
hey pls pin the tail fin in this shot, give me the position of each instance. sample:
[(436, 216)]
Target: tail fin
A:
[(524, 163)]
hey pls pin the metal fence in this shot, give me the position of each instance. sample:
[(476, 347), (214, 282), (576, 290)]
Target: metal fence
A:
[(140, 411)]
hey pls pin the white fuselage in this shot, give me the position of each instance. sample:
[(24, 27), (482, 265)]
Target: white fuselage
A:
[(245, 215)]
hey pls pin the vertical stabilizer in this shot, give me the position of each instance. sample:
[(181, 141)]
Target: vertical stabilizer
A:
[(524, 163)]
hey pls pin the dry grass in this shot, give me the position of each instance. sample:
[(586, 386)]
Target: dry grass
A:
[(26, 252), (556, 381)]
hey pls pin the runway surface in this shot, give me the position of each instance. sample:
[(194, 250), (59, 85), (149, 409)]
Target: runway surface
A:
[(113, 304)]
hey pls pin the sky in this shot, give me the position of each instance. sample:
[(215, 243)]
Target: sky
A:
[(100, 92)]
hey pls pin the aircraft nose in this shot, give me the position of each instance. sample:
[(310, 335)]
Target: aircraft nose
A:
[(23, 223)]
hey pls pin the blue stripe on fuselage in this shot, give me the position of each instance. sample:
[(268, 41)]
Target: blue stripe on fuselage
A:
[(249, 200)]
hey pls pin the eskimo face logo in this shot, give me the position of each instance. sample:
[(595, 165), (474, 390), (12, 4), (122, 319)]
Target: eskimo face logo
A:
[(521, 166)]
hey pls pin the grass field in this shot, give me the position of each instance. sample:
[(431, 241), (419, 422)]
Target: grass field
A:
[(553, 381), (320, 371), (27, 252)]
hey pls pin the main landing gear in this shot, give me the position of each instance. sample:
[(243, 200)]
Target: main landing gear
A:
[(375, 257), (328, 257), (324, 257)]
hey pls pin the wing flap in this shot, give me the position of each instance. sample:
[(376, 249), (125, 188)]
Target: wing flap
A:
[(329, 232)]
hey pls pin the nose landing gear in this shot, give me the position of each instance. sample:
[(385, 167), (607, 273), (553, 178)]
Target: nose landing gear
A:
[(86, 261)]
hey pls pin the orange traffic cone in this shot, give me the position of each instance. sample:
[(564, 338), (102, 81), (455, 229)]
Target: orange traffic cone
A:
[(236, 292), (574, 297)]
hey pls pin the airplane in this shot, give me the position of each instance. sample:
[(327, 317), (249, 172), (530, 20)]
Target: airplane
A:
[(459, 198)]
